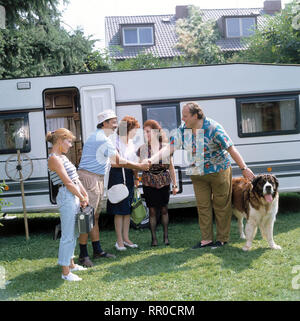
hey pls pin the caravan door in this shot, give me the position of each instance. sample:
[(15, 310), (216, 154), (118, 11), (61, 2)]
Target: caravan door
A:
[(94, 99)]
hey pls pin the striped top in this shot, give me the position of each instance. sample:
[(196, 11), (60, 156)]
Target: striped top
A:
[(69, 167)]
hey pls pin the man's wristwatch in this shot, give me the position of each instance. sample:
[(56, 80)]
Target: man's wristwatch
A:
[(174, 186), (245, 167)]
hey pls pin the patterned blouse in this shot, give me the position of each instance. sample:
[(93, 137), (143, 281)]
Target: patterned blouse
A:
[(158, 175), (207, 152)]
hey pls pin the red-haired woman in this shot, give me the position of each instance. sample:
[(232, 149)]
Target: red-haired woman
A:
[(156, 181), (122, 210)]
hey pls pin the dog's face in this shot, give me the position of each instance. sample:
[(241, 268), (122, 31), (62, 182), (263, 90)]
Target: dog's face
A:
[(265, 186)]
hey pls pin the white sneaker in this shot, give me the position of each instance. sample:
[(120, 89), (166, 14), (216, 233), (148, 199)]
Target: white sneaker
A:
[(78, 268), (71, 277), (133, 246), (120, 248)]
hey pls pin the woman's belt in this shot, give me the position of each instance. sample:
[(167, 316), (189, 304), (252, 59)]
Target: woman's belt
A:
[(76, 182)]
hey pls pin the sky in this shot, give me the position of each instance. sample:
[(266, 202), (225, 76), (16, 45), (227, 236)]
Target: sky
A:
[(89, 14)]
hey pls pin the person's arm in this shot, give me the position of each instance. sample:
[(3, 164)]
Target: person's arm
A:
[(176, 142), (118, 161), (83, 191), (57, 166), (173, 177), (236, 156), (166, 151)]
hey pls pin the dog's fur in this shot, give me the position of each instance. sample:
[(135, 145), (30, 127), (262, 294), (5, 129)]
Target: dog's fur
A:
[(257, 201)]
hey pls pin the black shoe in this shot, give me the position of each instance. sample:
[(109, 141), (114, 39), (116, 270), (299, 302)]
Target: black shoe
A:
[(85, 261), (218, 244), (199, 245)]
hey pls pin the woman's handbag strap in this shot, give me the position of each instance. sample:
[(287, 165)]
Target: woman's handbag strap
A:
[(123, 170), (124, 178)]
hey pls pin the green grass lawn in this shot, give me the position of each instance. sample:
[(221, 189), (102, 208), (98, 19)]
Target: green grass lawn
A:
[(168, 273)]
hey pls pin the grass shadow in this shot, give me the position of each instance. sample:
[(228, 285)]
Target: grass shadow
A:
[(36, 225), (186, 259), (236, 259), (230, 256), (153, 264), (42, 280), (16, 247)]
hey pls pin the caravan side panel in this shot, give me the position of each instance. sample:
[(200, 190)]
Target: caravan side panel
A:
[(36, 186)]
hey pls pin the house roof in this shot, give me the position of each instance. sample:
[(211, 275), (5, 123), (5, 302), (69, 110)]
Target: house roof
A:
[(165, 35), (234, 44)]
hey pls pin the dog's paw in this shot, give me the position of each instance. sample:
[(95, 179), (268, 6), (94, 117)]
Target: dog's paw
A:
[(276, 247)]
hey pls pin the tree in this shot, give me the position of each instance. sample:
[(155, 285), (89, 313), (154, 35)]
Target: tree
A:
[(35, 43), (141, 61), (19, 12), (98, 61), (278, 41), (3, 187), (197, 38)]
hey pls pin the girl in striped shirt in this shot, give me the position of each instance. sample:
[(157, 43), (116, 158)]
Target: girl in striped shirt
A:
[(71, 195)]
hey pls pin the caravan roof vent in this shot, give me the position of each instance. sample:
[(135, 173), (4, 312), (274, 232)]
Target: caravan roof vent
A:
[(23, 85)]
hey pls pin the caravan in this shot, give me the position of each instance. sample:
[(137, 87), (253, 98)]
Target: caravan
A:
[(258, 105)]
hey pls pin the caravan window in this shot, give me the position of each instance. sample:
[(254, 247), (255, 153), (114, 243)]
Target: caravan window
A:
[(268, 116), (14, 131), (168, 115)]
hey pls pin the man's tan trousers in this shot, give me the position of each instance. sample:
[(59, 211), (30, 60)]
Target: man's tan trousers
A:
[(213, 191)]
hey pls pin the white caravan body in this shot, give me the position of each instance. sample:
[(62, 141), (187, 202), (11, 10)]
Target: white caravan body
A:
[(257, 104)]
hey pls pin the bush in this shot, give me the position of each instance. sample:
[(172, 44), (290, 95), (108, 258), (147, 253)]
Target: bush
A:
[(3, 187)]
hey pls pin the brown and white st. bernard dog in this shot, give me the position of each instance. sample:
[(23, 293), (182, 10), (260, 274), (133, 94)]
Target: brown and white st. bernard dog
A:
[(257, 201)]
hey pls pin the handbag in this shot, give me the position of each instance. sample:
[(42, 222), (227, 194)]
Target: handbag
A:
[(138, 212), (156, 179), (118, 192), (85, 219)]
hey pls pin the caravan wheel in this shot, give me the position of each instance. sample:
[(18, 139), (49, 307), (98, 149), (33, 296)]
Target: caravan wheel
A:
[(13, 167)]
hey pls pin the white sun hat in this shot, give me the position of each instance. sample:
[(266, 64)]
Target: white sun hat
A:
[(105, 115)]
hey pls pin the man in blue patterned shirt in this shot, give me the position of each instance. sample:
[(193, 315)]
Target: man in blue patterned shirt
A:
[(209, 148)]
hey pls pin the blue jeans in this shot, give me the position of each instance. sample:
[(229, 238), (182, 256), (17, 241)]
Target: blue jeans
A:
[(68, 205)]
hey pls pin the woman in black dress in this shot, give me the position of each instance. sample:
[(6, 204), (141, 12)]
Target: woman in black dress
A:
[(122, 210), (156, 181)]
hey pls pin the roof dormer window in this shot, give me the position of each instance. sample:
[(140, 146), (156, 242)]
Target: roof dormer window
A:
[(137, 35), (237, 27)]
